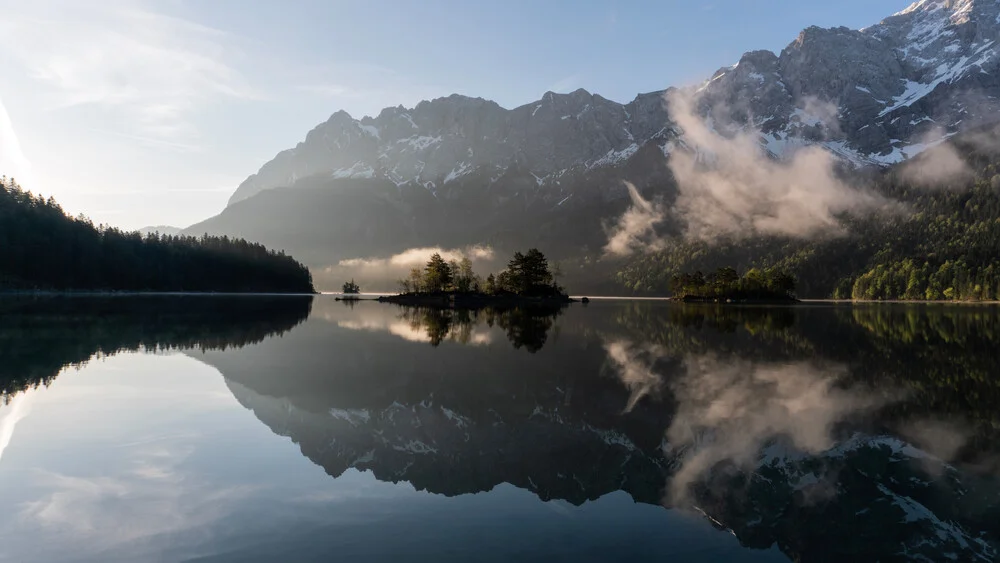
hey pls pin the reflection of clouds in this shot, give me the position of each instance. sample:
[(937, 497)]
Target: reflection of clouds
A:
[(413, 330), (634, 366), (151, 497), (727, 411), (395, 327), (11, 414)]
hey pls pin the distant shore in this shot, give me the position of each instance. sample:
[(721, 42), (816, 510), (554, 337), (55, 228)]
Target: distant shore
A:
[(390, 297), (108, 293)]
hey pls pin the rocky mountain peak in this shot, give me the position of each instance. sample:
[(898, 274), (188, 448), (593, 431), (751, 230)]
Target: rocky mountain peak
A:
[(879, 92)]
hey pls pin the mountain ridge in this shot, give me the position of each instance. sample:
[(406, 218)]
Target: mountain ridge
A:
[(459, 171), (875, 77)]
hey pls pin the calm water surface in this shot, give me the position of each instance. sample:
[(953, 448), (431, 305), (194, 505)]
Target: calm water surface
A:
[(304, 429)]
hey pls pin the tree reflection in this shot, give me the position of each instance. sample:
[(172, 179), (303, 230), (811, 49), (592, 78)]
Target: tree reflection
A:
[(525, 326), (41, 336)]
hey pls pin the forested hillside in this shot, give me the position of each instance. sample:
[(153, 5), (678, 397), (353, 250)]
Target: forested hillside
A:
[(42, 248), (943, 242)]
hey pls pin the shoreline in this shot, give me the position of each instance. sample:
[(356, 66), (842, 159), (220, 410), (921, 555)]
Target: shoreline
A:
[(472, 301), (47, 293)]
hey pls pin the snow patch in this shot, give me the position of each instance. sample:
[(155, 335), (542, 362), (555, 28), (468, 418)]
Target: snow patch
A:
[(358, 170), (353, 416), (416, 447), (453, 416), (457, 172), (421, 142), (613, 157)]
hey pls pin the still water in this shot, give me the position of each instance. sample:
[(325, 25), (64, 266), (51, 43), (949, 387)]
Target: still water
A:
[(304, 429)]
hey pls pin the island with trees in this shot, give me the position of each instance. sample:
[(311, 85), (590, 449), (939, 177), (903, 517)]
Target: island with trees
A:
[(726, 285), (43, 249), (527, 280), (350, 288)]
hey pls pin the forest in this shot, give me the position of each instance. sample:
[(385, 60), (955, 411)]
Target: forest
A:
[(728, 284), (41, 248), (943, 246)]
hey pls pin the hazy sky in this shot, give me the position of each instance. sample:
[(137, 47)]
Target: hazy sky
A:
[(140, 112)]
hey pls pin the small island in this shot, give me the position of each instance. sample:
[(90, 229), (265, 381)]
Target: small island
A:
[(527, 280), (726, 285)]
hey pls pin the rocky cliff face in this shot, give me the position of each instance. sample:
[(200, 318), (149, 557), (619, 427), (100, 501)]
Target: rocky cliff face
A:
[(444, 140), (873, 96)]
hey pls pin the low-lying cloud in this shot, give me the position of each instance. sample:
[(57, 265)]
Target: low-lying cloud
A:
[(382, 273), (636, 229), (939, 165), (728, 186), (418, 257)]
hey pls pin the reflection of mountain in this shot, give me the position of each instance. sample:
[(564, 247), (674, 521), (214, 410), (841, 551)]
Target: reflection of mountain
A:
[(41, 335), (779, 451)]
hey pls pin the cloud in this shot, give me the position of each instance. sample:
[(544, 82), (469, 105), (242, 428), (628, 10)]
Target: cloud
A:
[(12, 413), (636, 229), (152, 497), (384, 272), (155, 69), (13, 163), (939, 166), (727, 186), (728, 411), (415, 257)]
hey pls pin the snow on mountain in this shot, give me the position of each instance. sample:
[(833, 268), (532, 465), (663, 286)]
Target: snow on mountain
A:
[(883, 93)]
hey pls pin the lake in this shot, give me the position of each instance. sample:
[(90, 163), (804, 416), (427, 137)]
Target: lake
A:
[(304, 429)]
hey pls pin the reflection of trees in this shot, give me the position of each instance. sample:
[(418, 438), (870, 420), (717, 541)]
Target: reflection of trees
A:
[(41, 336), (944, 357), (525, 326)]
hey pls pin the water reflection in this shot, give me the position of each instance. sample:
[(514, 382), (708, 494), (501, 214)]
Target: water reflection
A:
[(525, 327), (773, 422), (39, 336), (831, 432)]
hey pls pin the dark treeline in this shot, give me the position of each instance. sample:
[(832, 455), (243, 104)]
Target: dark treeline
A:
[(41, 248), (726, 283), (39, 336), (527, 275), (944, 245)]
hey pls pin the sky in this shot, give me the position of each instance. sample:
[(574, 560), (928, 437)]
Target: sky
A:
[(151, 112)]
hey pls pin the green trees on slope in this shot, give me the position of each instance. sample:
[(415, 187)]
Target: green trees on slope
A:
[(726, 283), (945, 245), (42, 248)]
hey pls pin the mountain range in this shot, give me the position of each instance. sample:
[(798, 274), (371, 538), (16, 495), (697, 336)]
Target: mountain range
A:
[(459, 171)]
